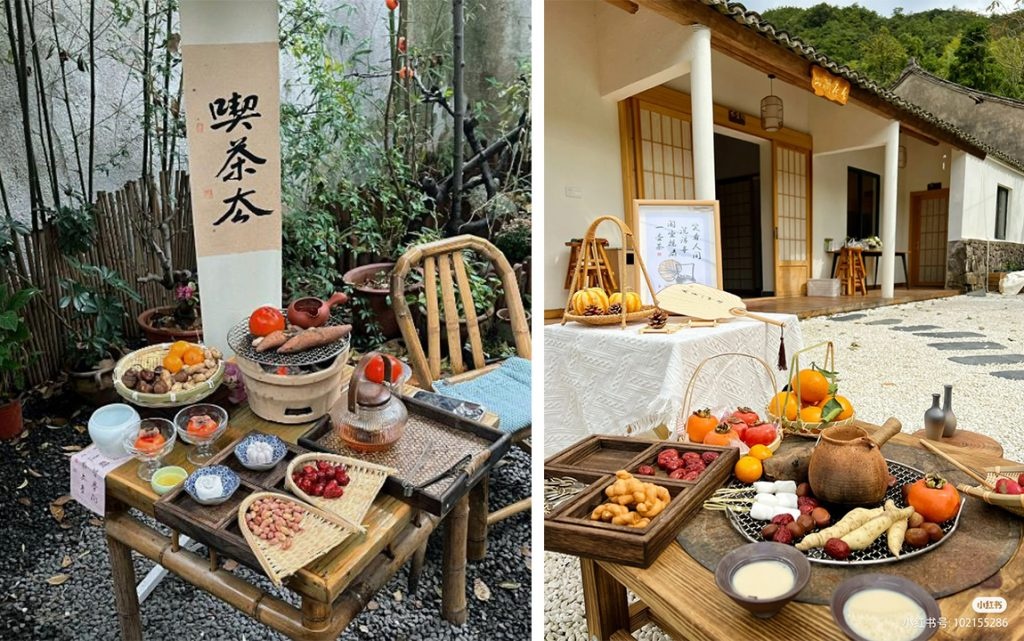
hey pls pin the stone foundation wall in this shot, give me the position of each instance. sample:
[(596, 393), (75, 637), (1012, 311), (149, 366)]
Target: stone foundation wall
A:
[(969, 259)]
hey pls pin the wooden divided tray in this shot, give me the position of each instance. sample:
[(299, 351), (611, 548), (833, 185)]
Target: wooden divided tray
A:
[(593, 462), (217, 525), (440, 456)]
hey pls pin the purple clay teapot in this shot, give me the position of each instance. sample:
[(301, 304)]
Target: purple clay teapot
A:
[(313, 312)]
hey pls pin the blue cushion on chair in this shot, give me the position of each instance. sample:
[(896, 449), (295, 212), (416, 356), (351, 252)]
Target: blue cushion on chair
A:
[(505, 391)]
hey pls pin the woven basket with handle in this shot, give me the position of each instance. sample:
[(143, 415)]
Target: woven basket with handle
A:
[(688, 397), (321, 533), (589, 251), (799, 427), (365, 481), (1010, 502), (151, 357)]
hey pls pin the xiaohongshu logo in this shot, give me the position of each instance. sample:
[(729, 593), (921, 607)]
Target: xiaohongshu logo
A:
[(989, 604)]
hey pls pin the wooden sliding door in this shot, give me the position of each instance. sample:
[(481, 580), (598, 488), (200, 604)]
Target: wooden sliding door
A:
[(791, 178)]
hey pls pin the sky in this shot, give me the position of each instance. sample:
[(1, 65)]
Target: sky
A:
[(883, 7)]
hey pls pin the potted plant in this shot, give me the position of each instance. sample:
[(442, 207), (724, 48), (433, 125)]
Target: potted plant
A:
[(96, 337), (371, 294), (14, 358), (180, 321)]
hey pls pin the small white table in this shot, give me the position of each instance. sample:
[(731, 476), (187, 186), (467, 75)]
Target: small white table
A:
[(607, 380)]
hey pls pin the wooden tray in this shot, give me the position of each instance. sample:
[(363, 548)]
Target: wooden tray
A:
[(440, 445), (568, 528), (217, 526)]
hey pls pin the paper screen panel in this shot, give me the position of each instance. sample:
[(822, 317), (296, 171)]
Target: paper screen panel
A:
[(791, 200), (931, 266), (666, 156)]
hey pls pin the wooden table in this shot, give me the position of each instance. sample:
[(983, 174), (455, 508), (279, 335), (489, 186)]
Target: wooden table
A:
[(877, 255), (333, 589), (680, 596)]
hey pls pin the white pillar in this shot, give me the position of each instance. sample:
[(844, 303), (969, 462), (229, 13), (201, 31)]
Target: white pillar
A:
[(888, 224), (230, 60), (703, 108)]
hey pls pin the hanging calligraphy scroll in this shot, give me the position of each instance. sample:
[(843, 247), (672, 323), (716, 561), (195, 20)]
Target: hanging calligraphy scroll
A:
[(680, 241), (232, 107)]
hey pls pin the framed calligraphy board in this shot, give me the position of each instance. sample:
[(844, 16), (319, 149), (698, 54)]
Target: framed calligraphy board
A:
[(232, 105), (680, 241)]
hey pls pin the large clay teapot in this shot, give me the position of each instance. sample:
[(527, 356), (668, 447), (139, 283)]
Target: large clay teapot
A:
[(313, 312), (847, 466)]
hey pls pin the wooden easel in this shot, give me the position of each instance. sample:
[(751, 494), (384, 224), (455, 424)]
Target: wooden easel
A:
[(596, 268)]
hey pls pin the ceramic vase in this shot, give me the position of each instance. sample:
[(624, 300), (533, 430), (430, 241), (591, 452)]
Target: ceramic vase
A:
[(947, 411), (934, 420)]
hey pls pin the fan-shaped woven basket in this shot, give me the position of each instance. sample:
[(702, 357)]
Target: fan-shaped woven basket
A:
[(1013, 503), (321, 533), (365, 481), (149, 358)]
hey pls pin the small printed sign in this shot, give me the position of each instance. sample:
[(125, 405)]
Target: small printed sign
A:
[(89, 469)]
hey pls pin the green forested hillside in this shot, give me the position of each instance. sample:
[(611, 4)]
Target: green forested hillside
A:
[(982, 52)]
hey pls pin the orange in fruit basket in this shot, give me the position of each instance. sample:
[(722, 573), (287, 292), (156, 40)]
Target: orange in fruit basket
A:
[(178, 348), (173, 364), (193, 356), (811, 385), (811, 414), (785, 405), (842, 400)]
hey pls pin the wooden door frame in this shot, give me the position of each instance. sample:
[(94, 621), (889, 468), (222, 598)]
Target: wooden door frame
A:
[(808, 262), (916, 198)]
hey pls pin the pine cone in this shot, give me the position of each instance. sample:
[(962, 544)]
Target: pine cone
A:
[(615, 309), (593, 310), (658, 319)]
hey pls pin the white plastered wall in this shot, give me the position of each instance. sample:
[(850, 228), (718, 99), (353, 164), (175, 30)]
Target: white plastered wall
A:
[(975, 215)]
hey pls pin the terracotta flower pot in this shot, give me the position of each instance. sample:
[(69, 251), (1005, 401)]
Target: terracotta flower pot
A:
[(156, 335), (11, 420), (375, 298)]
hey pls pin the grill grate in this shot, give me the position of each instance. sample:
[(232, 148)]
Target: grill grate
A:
[(878, 552), (240, 340)]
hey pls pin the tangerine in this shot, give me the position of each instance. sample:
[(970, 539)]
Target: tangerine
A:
[(173, 364), (785, 405), (178, 348), (811, 414), (842, 400), (193, 356), (811, 385), (760, 452), (748, 469)]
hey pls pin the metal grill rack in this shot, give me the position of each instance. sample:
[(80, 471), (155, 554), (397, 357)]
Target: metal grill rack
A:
[(878, 552), (240, 340)]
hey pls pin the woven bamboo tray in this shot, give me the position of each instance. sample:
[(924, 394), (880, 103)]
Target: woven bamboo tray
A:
[(1013, 503), (613, 319), (798, 427), (688, 397), (322, 532), (589, 251), (365, 481), (149, 358)]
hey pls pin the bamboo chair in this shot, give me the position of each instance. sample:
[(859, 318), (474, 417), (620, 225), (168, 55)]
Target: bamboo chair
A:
[(442, 261)]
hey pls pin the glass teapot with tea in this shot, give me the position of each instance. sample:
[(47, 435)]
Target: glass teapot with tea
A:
[(374, 418)]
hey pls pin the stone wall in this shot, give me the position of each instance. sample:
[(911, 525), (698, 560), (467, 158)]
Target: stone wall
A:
[(970, 259)]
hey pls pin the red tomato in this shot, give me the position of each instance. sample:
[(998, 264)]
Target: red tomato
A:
[(391, 4), (266, 320), (762, 434), (375, 369)]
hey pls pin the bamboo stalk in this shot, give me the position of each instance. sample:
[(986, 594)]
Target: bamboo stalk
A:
[(453, 579)]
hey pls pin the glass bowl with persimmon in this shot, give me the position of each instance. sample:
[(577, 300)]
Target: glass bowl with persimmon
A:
[(201, 425), (150, 441)]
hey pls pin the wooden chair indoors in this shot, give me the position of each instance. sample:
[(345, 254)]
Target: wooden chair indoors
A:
[(444, 268), (851, 272)]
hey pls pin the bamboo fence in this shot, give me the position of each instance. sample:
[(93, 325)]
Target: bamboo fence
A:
[(123, 242)]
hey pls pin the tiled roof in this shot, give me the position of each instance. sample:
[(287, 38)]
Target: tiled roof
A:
[(753, 21)]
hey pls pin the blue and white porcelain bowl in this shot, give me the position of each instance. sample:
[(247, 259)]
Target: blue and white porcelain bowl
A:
[(228, 479), (279, 451)]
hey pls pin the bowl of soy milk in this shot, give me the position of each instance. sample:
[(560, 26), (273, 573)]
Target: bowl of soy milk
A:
[(882, 607), (763, 577)]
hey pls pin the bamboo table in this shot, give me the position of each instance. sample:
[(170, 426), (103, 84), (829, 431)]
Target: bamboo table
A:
[(680, 596), (333, 589)]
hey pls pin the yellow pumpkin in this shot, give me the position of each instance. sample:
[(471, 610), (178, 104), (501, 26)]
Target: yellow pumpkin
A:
[(630, 301), (584, 298)]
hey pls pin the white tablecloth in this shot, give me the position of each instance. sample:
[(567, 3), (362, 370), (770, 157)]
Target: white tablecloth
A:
[(606, 380)]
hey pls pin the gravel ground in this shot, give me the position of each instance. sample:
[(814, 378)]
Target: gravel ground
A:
[(37, 547), (884, 371)]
